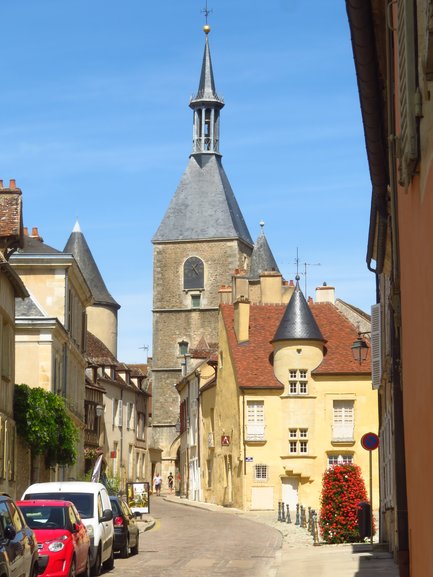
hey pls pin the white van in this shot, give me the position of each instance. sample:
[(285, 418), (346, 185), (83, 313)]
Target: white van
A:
[(93, 504)]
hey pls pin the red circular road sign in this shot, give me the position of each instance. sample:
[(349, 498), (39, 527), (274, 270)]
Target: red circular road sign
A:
[(370, 441)]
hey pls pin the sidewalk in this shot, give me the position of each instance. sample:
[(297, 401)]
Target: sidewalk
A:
[(301, 558)]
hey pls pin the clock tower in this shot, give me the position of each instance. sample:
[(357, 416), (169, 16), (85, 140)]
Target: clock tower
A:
[(200, 242)]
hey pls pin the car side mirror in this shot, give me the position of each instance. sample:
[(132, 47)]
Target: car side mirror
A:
[(76, 527), (9, 532), (107, 515)]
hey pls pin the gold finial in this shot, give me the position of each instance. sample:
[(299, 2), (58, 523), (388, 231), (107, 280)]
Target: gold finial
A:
[(206, 29)]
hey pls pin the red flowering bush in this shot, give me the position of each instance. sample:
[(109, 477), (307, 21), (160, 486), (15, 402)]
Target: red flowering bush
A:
[(343, 488)]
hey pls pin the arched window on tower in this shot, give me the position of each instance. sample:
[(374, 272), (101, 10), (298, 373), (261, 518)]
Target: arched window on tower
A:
[(193, 273)]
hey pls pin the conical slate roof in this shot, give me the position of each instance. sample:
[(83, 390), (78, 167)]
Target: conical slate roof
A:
[(298, 322), (262, 259), (78, 247), (206, 88), (203, 206)]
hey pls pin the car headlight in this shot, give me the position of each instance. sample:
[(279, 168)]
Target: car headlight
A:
[(90, 531), (56, 546)]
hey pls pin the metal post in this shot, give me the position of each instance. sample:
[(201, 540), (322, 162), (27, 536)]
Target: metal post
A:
[(371, 499), (297, 514), (279, 511), (315, 531), (283, 515), (309, 520), (288, 514)]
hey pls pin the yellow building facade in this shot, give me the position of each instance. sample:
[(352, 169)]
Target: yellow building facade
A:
[(289, 401)]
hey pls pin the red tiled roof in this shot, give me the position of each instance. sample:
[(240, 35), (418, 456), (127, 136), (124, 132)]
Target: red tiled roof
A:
[(253, 359), (97, 353)]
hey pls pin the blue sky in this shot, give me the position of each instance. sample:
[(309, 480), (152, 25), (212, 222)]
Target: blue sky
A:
[(95, 125)]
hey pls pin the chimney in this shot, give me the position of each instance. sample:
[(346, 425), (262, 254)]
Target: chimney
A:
[(35, 234), (271, 287), (225, 295), (1, 183), (240, 287), (12, 183), (26, 231), (325, 294), (242, 319)]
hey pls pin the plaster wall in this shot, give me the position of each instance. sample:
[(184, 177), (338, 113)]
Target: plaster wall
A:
[(102, 322)]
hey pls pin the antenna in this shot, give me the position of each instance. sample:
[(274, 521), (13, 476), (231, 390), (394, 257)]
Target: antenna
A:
[(145, 348), (305, 264)]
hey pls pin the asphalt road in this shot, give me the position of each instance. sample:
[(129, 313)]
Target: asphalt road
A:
[(191, 542)]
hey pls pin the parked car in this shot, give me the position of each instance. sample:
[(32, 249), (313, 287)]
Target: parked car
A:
[(93, 504), (18, 545), (63, 541), (126, 531)]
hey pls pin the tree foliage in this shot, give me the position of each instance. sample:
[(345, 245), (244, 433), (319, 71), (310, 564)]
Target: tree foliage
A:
[(343, 488), (43, 423)]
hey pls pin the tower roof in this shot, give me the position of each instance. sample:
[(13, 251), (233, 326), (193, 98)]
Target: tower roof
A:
[(78, 247), (298, 322), (206, 88), (262, 259), (203, 206)]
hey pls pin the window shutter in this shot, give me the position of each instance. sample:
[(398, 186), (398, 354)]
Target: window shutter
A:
[(407, 88), (376, 347), (120, 413)]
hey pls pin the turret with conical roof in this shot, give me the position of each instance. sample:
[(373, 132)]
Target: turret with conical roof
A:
[(262, 259), (298, 341), (102, 315)]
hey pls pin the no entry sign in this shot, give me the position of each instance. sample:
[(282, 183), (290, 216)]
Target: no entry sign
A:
[(370, 441)]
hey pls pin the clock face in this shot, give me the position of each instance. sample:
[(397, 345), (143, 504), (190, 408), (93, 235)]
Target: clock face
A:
[(193, 273)]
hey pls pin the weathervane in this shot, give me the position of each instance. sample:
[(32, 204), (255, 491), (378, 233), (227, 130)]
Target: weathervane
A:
[(206, 12)]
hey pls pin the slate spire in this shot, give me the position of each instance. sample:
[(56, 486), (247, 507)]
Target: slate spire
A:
[(204, 205), (298, 322), (78, 247), (262, 259)]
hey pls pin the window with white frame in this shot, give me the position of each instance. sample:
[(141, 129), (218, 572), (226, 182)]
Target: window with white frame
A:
[(343, 420), (298, 382), (298, 441), (255, 421), (343, 459), (261, 472)]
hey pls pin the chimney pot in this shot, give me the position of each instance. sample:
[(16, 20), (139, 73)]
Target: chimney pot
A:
[(35, 232), (1, 183), (12, 183), (26, 231)]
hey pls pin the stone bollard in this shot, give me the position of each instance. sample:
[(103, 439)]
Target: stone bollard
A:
[(316, 542), (297, 522), (283, 513), (288, 515), (303, 518)]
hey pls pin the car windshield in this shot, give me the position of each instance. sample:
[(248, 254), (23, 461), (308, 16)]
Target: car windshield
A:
[(82, 501), (45, 517)]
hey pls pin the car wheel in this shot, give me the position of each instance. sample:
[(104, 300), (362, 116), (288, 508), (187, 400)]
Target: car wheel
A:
[(72, 569), (124, 551), (134, 550), (109, 563), (96, 569)]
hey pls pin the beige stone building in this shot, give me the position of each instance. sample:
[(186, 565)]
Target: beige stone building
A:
[(11, 288), (51, 332), (200, 242), (289, 400)]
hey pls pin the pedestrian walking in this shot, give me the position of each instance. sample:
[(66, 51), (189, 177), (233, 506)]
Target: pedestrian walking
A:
[(157, 482), (170, 482)]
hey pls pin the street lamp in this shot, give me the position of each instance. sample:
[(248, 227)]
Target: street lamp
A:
[(360, 348)]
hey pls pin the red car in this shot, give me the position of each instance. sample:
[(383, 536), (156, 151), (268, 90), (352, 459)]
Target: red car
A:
[(62, 537)]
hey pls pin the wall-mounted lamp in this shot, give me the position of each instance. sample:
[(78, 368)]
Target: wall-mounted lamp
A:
[(99, 410), (360, 348)]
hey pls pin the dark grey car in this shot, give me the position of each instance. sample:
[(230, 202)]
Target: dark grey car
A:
[(126, 530), (18, 545)]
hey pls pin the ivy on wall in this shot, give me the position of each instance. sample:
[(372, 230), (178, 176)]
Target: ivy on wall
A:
[(42, 421)]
